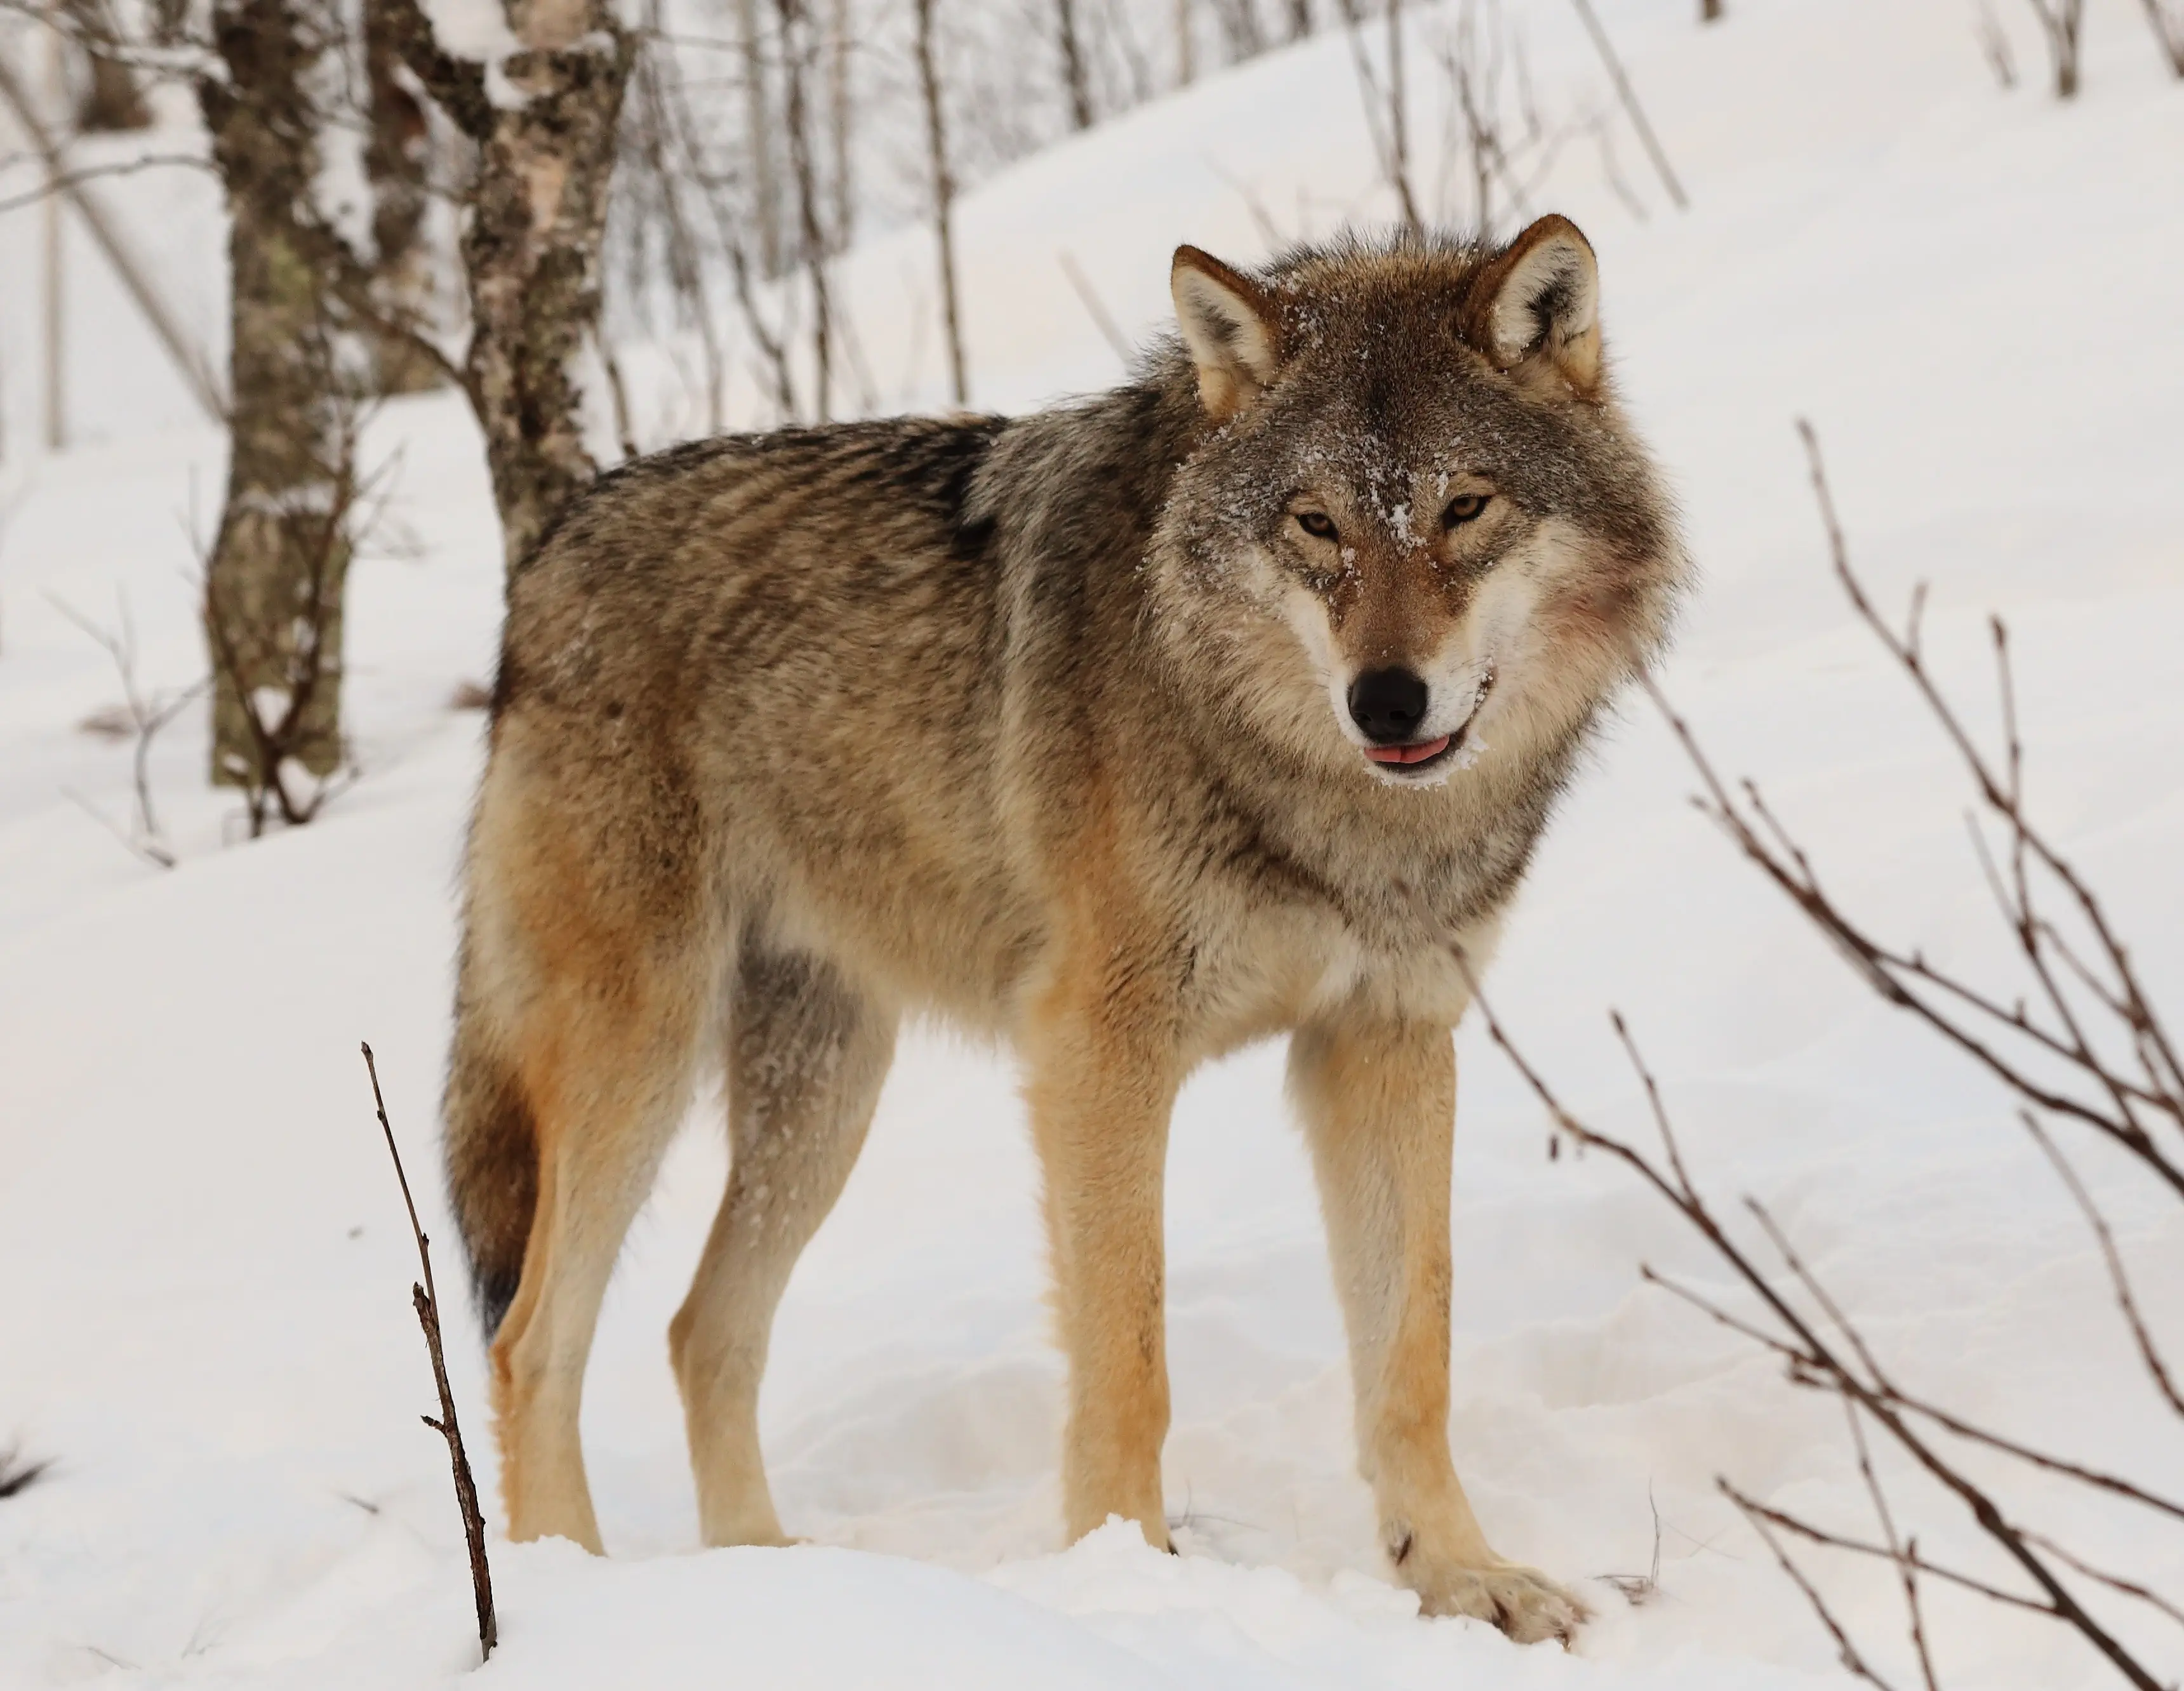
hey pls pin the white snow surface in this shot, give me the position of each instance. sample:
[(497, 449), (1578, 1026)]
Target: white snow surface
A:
[(204, 1269)]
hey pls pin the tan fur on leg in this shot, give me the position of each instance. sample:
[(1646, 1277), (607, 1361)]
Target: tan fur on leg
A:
[(1379, 1101), (1099, 1048), (806, 1057), (589, 992)]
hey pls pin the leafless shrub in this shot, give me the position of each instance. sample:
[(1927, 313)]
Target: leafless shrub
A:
[(272, 672), (1495, 126), (2062, 22), (1629, 96), (1994, 47), (2168, 31), (1387, 115), (1638, 1589), (2082, 1048), (139, 717), (19, 1473)]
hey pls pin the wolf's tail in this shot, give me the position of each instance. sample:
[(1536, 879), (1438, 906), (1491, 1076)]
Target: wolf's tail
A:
[(493, 1156)]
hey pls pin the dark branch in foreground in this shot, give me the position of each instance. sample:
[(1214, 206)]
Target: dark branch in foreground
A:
[(427, 1301), (17, 1475)]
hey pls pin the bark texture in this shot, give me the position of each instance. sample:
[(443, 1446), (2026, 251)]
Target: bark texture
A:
[(397, 164), (531, 252), (273, 586)]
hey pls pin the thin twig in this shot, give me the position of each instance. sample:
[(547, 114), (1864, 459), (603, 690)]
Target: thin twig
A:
[(90, 173), (427, 1303), (1098, 312), (1629, 96)]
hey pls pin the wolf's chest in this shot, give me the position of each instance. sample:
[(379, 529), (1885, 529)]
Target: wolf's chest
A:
[(1276, 965)]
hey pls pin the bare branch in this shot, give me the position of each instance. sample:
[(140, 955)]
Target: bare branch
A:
[(127, 167), (427, 1303)]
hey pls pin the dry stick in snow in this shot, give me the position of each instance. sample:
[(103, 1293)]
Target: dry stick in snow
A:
[(143, 717), (426, 1300), (1629, 96)]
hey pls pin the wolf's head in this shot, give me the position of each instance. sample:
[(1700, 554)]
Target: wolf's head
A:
[(1418, 523)]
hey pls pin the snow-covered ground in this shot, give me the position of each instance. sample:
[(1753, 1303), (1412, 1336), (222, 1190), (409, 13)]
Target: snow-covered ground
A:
[(203, 1266)]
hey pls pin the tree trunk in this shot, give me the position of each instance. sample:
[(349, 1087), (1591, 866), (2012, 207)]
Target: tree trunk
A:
[(1239, 25), (758, 140), (1075, 79), (531, 252), (842, 117), (273, 596), (943, 199), (397, 159), (796, 55)]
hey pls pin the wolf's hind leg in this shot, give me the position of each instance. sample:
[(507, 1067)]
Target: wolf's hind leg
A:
[(590, 960), (607, 1073), (806, 1055), (1379, 1101)]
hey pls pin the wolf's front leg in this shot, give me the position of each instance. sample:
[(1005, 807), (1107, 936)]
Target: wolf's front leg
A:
[(1100, 1051), (1378, 1100)]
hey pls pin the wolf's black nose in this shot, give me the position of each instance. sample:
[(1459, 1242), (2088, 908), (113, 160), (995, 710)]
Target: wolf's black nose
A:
[(1387, 704)]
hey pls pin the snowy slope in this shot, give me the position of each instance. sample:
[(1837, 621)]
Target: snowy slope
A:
[(203, 1266)]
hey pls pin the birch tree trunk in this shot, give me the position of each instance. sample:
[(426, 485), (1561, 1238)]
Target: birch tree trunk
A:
[(530, 250), (531, 253)]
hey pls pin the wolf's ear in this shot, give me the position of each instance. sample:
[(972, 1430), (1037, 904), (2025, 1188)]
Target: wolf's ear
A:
[(1227, 322), (1541, 299)]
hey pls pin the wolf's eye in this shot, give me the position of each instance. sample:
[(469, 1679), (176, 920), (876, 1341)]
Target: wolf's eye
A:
[(1463, 508), (1317, 524)]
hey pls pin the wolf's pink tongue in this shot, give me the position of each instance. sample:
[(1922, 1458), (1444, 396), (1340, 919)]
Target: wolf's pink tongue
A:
[(1407, 754)]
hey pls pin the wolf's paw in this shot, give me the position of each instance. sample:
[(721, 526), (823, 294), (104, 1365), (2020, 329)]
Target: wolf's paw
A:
[(1523, 1602)]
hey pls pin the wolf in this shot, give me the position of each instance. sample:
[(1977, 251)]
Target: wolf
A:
[(1226, 705)]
